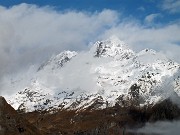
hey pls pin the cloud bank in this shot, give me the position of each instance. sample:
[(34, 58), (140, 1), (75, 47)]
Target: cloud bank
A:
[(161, 128), (172, 6), (30, 34), (151, 18)]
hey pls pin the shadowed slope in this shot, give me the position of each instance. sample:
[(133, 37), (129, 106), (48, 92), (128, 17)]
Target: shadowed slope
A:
[(11, 123)]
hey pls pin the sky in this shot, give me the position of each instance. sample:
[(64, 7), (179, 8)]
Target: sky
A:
[(165, 11), (31, 31)]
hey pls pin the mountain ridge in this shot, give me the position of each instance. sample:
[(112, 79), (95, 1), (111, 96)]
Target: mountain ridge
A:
[(109, 73)]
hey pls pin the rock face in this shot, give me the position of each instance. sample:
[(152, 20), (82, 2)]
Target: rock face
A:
[(11, 123)]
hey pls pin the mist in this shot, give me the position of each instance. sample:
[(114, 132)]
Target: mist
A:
[(161, 128), (30, 35)]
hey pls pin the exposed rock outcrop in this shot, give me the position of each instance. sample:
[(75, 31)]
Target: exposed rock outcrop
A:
[(11, 123)]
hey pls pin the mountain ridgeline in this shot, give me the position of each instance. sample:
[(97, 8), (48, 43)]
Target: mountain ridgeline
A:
[(109, 73), (101, 91)]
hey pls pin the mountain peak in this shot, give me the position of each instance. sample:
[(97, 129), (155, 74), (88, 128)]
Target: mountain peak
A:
[(59, 60), (113, 47), (108, 74)]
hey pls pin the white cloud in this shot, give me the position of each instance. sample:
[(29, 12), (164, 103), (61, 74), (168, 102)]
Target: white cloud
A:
[(165, 38), (141, 8), (30, 34), (151, 18), (173, 6)]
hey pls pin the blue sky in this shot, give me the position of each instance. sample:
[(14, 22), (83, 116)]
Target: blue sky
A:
[(138, 9)]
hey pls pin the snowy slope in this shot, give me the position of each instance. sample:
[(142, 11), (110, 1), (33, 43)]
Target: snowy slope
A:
[(107, 74), (58, 61)]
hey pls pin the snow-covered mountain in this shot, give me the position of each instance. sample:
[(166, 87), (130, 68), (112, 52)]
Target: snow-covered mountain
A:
[(109, 73)]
